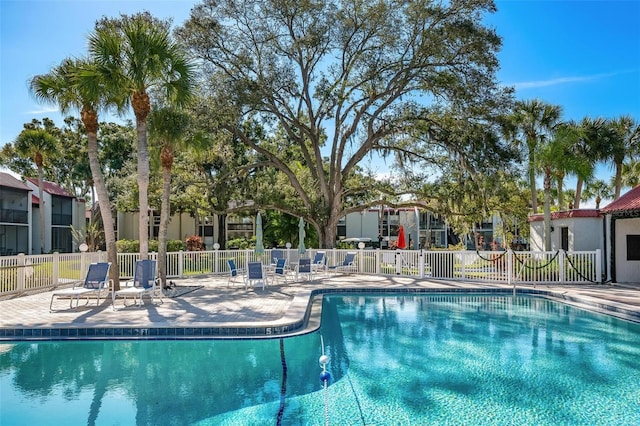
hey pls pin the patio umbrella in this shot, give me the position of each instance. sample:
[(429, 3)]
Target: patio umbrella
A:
[(402, 241), (259, 245), (301, 234)]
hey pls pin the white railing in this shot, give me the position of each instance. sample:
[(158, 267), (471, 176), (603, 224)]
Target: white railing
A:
[(24, 273)]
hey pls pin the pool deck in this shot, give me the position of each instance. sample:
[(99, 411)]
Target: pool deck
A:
[(215, 310)]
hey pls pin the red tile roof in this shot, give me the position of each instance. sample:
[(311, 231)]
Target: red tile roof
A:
[(51, 188), (565, 214), (9, 181), (627, 202)]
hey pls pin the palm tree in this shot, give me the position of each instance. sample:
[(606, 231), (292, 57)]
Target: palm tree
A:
[(554, 158), (137, 57), (598, 190), (591, 147), (75, 84), (166, 126), (534, 120), (37, 144), (582, 166), (624, 135), (631, 174)]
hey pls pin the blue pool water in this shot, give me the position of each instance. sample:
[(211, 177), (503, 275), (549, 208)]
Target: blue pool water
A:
[(402, 360)]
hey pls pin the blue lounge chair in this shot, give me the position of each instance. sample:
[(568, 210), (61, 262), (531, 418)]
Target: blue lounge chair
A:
[(280, 269), (319, 263), (348, 264), (144, 281), (96, 281), (234, 272), (255, 273), (304, 268)]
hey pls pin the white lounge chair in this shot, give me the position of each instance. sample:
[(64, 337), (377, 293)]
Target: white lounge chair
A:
[(96, 281), (144, 281), (348, 264)]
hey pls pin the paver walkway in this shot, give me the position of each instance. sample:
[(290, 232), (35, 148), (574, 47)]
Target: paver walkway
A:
[(216, 305)]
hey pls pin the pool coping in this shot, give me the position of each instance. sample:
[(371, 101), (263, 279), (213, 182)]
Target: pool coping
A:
[(303, 316)]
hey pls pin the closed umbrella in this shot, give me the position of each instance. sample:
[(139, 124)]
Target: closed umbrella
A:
[(402, 241), (259, 245), (301, 234)]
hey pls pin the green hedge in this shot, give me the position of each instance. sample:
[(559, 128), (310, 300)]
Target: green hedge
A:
[(133, 246)]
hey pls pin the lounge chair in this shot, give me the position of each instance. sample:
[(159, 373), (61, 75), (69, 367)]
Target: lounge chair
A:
[(348, 264), (144, 281), (304, 268), (319, 263), (255, 273), (96, 281), (234, 272), (280, 269)]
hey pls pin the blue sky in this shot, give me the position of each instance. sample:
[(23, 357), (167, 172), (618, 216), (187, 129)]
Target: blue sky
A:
[(583, 55)]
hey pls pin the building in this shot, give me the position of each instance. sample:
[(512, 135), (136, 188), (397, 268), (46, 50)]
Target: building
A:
[(20, 222), (61, 211), (15, 216), (572, 230), (183, 225), (622, 219), (614, 230)]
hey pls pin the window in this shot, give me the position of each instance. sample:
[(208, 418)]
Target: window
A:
[(13, 206), (633, 247), (61, 210), (61, 240)]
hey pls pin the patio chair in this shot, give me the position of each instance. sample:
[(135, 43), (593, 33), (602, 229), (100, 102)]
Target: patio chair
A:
[(275, 255), (304, 268), (234, 272), (255, 273), (280, 269), (319, 263), (347, 265), (144, 281), (96, 281)]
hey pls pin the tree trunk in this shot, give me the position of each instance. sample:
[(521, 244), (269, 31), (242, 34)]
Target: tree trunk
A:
[(143, 189), (41, 205), (547, 210), (532, 184), (165, 211), (560, 181), (103, 202), (576, 201), (618, 181), (222, 231)]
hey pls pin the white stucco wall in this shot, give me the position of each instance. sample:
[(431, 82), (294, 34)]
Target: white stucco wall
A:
[(585, 234), (627, 271)]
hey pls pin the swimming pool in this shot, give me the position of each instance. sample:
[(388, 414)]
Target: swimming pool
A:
[(395, 359)]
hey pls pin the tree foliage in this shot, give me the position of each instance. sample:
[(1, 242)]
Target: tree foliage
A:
[(341, 81)]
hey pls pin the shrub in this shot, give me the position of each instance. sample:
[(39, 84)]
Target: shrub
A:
[(133, 246), (194, 243)]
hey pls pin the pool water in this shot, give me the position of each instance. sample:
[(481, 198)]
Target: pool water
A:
[(402, 360)]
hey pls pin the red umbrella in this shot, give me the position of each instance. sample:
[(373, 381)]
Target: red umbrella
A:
[(402, 242)]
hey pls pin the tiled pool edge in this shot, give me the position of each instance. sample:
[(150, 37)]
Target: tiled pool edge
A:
[(302, 317)]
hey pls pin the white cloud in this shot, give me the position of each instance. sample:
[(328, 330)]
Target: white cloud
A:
[(44, 110), (563, 80)]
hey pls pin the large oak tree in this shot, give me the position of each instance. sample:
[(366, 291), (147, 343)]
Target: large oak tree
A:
[(343, 80)]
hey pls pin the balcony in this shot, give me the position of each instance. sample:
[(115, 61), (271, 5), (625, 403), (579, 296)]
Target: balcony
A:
[(14, 216)]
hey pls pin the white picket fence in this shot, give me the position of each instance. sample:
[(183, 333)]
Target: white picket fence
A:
[(24, 273)]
